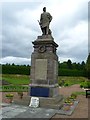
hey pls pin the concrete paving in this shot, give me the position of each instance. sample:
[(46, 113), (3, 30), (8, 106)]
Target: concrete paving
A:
[(20, 111)]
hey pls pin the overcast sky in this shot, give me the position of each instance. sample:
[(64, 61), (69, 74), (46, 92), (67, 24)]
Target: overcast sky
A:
[(20, 27)]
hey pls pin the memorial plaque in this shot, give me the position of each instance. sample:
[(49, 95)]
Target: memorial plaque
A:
[(39, 91), (41, 69), (34, 102)]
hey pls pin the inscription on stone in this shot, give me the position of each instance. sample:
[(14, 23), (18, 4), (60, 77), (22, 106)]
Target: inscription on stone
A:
[(41, 69)]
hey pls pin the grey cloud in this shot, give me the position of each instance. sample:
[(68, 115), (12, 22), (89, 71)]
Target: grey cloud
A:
[(17, 39), (9, 9), (78, 53), (67, 22), (16, 44), (17, 36), (15, 60)]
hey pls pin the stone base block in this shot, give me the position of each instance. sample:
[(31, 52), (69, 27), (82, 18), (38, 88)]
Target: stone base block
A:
[(48, 95), (44, 102), (53, 103)]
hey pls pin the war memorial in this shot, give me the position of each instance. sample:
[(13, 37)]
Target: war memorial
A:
[(44, 66), (43, 100)]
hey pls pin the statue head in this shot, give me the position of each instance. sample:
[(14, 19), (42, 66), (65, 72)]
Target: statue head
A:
[(44, 9)]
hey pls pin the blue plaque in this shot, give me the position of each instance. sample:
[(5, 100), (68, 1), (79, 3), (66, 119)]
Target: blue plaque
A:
[(39, 91)]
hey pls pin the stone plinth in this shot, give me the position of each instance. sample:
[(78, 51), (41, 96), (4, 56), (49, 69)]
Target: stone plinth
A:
[(44, 67)]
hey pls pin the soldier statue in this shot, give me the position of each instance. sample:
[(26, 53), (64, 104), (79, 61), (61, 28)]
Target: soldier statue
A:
[(44, 23)]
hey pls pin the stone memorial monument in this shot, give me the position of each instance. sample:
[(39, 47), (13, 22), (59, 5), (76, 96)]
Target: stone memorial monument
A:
[(44, 66)]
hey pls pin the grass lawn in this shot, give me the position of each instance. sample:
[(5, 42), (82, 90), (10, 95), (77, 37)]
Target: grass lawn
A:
[(68, 81), (25, 79), (14, 88), (16, 79), (80, 93)]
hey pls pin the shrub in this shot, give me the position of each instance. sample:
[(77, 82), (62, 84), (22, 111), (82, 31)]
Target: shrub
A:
[(81, 86), (67, 100), (85, 84), (60, 83), (66, 84), (15, 88), (73, 95), (20, 94), (9, 95)]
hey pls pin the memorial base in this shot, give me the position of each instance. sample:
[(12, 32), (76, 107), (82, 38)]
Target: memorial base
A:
[(48, 95), (44, 90), (49, 102)]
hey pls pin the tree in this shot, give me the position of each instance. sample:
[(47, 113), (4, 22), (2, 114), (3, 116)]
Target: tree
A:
[(74, 65), (13, 64), (83, 65), (63, 65), (78, 66), (69, 64), (88, 66)]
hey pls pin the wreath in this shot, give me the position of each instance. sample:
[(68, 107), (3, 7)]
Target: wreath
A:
[(42, 49)]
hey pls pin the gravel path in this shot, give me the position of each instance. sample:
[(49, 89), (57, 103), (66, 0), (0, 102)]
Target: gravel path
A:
[(81, 110)]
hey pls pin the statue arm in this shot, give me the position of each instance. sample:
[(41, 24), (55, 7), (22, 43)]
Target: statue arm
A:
[(50, 17), (40, 19)]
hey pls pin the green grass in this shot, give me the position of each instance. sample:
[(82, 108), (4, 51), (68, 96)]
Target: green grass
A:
[(16, 79), (25, 79), (85, 84), (13, 88), (68, 81), (0, 77), (80, 93)]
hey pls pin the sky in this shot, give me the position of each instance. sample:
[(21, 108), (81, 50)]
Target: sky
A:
[(19, 27)]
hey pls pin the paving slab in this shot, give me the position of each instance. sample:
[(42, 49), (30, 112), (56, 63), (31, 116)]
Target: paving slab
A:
[(37, 113), (6, 109), (20, 111), (12, 110), (4, 104), (0, 117), (0, 111)]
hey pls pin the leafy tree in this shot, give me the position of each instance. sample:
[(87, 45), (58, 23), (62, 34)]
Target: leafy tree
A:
[(13, 64), (69, 64), (74, 65), (63, 65), (78, 66), (83, 65), (7, 64), (88, 66)]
